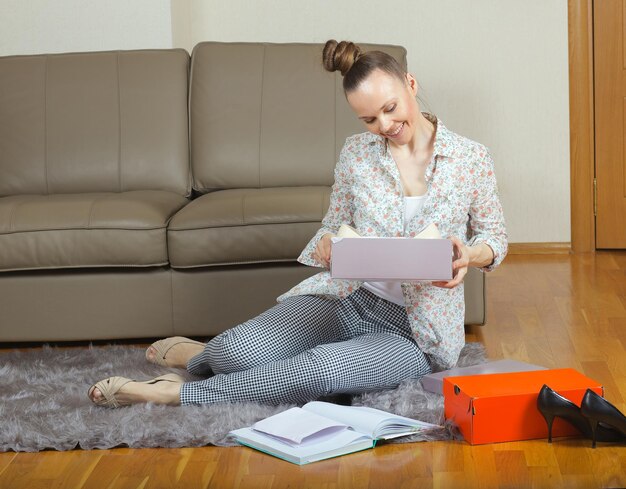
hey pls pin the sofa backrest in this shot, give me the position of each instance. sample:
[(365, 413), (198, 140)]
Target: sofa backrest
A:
[(267, 115), (94, 122)]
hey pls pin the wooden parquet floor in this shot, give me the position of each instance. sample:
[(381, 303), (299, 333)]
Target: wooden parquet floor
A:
[(553, 310)]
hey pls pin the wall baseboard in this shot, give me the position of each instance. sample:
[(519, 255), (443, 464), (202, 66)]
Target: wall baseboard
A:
[(540, 248)]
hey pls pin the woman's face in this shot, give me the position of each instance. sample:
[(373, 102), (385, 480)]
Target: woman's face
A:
[(387, 105)]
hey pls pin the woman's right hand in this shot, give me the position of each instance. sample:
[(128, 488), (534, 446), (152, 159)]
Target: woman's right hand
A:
[(322, 251)]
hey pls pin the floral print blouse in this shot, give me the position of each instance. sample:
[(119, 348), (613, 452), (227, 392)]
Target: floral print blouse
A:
[(462, 200)]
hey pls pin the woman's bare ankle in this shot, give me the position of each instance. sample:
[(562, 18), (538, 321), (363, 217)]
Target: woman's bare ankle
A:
[(159, 393)]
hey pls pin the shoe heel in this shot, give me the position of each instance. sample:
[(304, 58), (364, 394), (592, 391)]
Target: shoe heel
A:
[(549, 417), (594, 426)]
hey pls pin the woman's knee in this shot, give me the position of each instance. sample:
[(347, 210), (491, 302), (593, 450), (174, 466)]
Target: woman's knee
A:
[(326, 371), (226, 352)]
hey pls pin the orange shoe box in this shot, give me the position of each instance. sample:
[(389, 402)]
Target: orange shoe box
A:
[(502, 407)]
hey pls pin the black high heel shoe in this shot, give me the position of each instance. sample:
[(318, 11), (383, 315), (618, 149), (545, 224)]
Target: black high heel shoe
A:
[(551, 405), (598, 410)]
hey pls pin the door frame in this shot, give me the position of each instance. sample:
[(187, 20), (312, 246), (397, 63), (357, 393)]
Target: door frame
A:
[(581, 123)]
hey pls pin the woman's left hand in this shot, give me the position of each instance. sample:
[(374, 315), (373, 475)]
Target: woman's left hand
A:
[(460, 264)]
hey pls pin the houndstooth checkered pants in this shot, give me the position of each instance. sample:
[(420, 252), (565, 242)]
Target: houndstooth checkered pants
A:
[(308, 347)]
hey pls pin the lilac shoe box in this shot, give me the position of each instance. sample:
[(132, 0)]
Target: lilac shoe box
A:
[(391, 259), (434, 382)]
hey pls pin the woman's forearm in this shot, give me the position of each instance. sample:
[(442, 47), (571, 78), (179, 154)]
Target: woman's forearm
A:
[(480, 255)]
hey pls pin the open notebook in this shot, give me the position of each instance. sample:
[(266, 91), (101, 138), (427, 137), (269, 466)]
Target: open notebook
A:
[(321, 430)]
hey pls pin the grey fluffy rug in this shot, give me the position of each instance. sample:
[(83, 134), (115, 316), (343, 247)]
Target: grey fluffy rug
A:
[(44, 404)]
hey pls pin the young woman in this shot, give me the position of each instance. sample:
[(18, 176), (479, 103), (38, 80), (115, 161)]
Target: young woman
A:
[(333, 336)]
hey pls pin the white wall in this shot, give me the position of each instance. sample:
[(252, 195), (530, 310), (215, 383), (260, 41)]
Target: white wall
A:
[(44, 26), (493, 70)]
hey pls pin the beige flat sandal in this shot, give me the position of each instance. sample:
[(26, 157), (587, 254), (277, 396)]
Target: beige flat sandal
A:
[(163, 346), (111, 386)]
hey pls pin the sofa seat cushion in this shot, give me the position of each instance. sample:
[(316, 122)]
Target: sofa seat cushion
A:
[(246, 226), (86, 230)]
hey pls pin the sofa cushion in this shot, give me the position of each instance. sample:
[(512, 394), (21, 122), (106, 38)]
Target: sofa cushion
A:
[(246, 226), (267, 115), (110, 121), (86, 230)]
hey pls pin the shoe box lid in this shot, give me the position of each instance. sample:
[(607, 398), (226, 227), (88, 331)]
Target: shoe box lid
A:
[(434, 382)]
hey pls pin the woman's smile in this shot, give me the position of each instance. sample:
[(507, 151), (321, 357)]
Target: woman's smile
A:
[(396, 133)]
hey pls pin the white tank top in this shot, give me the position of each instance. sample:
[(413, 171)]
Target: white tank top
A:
[(392, 291)]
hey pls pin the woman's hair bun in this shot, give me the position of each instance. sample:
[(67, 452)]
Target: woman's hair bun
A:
[(340, 56)]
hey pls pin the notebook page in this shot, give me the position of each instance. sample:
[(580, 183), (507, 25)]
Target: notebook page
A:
[(361, 421), (336, 445), (297, 426), (390, 424), (365, 420)]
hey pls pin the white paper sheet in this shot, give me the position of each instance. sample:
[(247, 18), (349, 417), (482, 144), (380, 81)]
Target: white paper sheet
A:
[(299, 427)]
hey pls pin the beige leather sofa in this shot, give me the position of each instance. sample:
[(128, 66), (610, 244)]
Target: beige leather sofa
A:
[(149, 193)]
